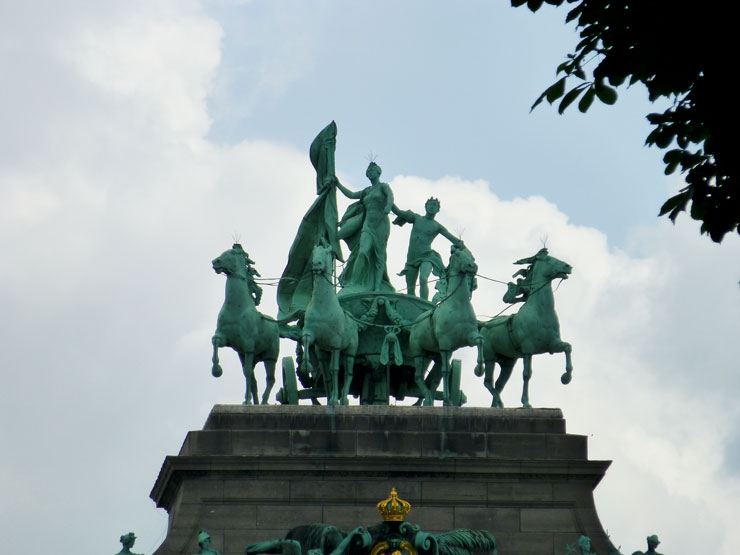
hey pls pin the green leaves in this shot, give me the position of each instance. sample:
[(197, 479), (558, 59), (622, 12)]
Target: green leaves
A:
[(623, 42), (587, 99), (675, 205), (570, 97), (605, 93), (672, 159), (661, 136), (555, 91)]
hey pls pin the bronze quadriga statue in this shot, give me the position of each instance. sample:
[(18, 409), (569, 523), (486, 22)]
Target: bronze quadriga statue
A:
[(356, 335)]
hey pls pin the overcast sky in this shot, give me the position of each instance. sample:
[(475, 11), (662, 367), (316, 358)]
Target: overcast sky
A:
[(138, 138)]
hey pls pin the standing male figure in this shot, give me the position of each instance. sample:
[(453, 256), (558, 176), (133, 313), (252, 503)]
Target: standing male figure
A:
[(421, 260)]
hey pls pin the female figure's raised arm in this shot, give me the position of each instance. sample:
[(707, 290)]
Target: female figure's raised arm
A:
[(347, 193)]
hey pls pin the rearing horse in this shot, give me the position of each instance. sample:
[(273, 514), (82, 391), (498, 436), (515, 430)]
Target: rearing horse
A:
[(326, 327), (241, 327), (447, 327), (533, 330)]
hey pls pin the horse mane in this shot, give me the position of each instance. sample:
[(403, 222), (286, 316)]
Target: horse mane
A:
[(523, 285)]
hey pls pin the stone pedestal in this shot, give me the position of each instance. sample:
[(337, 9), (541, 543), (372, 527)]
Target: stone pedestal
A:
[(254, 472)]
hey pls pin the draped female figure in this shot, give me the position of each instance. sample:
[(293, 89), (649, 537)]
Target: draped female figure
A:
[(365, 227)]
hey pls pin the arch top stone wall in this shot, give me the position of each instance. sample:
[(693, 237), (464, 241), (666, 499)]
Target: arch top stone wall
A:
[(254, 472)]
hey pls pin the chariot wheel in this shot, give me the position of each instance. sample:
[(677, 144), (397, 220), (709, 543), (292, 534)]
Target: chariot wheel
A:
[(455, 375), (289, 391)]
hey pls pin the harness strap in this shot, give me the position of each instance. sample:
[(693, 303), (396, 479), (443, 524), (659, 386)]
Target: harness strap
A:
[(510, 329), (431, 325)]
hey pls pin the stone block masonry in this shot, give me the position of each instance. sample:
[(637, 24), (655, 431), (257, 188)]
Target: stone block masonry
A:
[(254, 472)]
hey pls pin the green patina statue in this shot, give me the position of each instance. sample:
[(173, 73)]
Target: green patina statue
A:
[(533, 330), (127, 541), (240, 326), (327, 328), (652, 542), (448, 326), (365, 228), (320, 222), (583, 547), (391, 537), (204, 543), (421, 260), (368, 340)]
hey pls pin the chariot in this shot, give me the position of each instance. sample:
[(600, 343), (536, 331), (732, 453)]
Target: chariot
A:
[(383, 366)]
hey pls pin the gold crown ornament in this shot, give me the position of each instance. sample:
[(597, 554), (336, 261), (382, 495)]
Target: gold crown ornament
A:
[(394, 509)]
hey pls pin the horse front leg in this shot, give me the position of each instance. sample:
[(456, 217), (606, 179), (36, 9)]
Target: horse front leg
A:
[(419, 367), (445, 357), (480, 363), (270, 381), (505, 366), (306, 366), (349, 363), (218, 341), (333, 389), (247, 360), (488, 383), (526, 375), (567, 375)]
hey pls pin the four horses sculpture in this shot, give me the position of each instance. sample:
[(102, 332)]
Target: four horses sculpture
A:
[(447, 327), (327, 328), (253, 336), (533, 330)]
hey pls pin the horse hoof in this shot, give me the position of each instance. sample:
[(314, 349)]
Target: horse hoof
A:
[(479, 370), (217, 371), (565, 378)]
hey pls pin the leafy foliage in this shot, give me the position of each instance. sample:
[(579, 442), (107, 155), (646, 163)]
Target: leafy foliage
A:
[(676, 50)]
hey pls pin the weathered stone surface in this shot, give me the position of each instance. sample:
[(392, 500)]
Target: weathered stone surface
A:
[(444, 444), (435, 492), (501, 493), (347, 518), (501, 519), (287, 516), (516, 543), (323, 442), (254, 472), (246, 490), (549, 519)]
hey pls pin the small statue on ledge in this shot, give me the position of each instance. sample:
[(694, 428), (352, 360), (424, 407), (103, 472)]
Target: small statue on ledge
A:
[(127, 541), (204, 542), (583, 547), (652, 542)]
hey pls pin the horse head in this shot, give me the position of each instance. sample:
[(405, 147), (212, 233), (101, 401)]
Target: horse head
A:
[(461, 262), (321, 258), (232, 262), (550, 267), (547, 268)]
